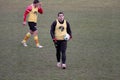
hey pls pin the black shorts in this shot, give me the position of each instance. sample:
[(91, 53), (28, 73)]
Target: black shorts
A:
[(32, 26)]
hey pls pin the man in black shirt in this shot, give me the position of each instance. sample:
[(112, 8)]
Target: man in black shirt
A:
[(59, 28)]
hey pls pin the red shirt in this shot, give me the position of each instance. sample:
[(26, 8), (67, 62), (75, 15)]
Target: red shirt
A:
[(28, 10)]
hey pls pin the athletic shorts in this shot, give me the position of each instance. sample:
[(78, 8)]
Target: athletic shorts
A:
[(32, 26)]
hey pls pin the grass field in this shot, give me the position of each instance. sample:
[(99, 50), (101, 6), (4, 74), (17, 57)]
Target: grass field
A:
[(92, 54)]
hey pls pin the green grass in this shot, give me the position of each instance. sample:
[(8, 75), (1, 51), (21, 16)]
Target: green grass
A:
[(92, 54)]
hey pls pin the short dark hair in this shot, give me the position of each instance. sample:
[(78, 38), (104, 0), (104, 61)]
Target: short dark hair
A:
[(35, 1), (60, 13)]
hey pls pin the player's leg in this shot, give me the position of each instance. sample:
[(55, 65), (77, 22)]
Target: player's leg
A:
[(63, 49), (58, 55), (27, 36), (34, 31), (36, 39)]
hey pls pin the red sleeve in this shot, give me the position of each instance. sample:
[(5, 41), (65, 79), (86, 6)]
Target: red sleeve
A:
[(40, 10), (28, 9)]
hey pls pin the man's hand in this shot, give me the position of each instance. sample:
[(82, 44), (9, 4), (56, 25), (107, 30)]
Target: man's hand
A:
[(55, 40), (40, 4), (70, 37), (24, 23)]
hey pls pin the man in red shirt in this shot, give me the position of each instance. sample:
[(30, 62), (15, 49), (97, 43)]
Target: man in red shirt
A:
[(33, 11)]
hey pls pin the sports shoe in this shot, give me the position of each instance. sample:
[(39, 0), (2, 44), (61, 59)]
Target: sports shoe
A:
[(59, 64), (39, 46), (63, 66), (24, 44)]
